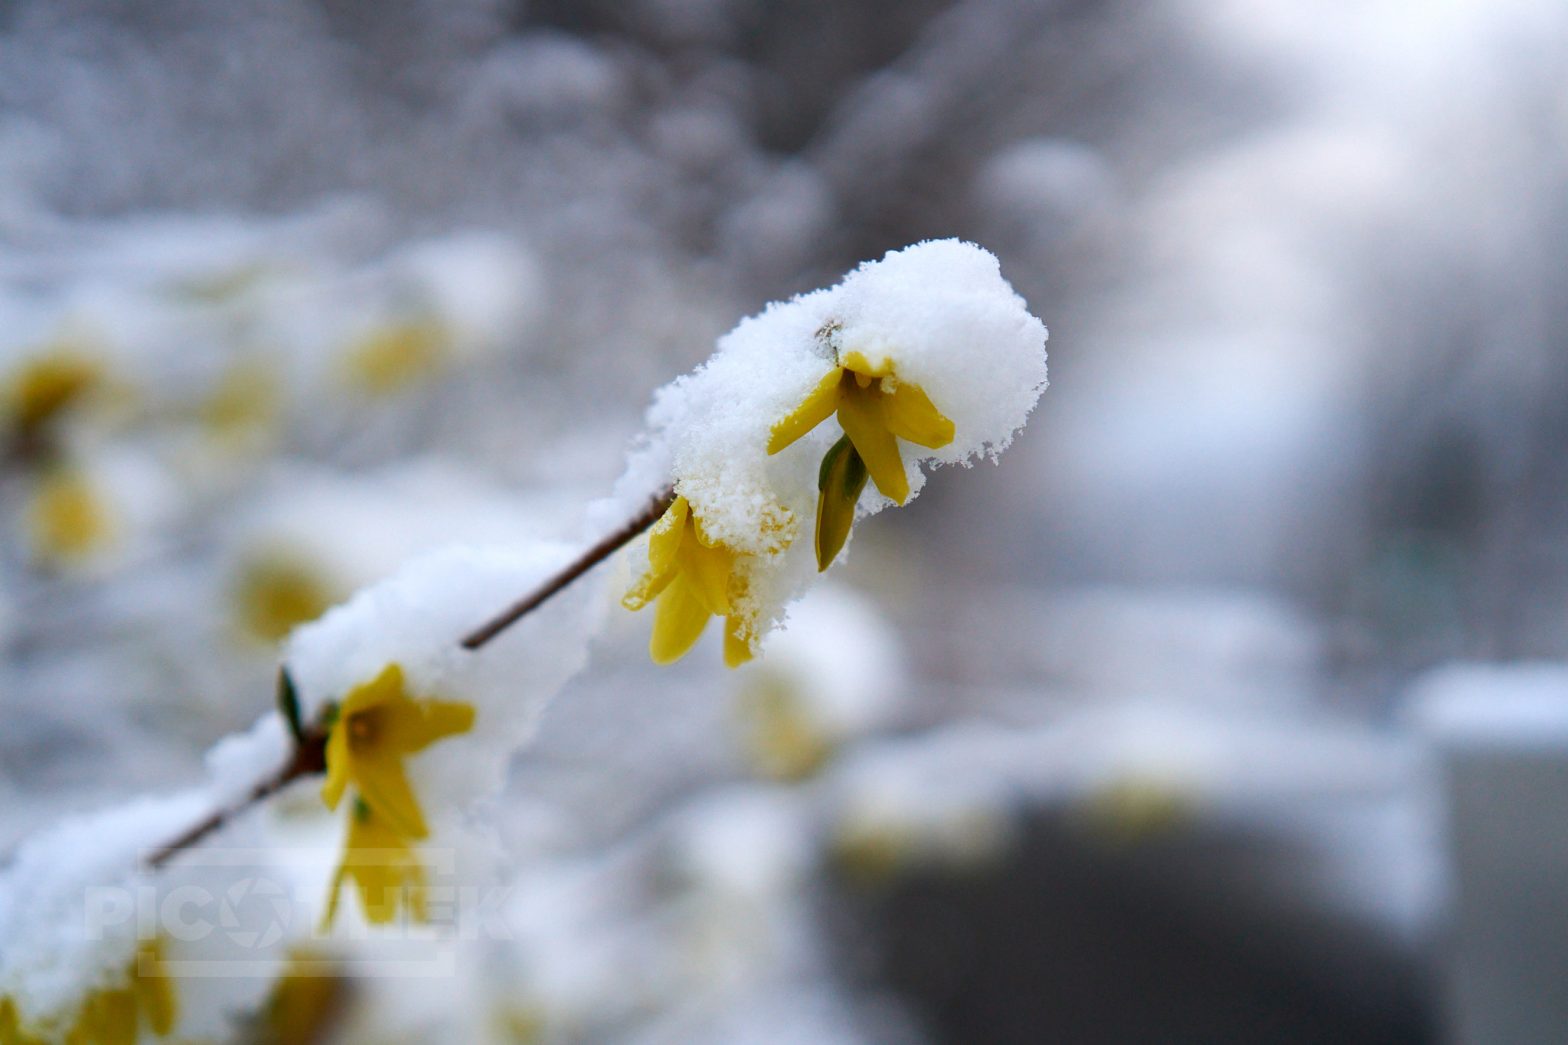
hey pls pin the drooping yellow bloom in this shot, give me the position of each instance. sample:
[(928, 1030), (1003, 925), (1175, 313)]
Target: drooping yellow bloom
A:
[(383, 867), (378, 724), (876, 410), (693, 578)]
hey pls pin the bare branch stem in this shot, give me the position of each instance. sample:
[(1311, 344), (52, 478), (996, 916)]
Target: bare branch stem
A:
[(650, 514), (309, 758)]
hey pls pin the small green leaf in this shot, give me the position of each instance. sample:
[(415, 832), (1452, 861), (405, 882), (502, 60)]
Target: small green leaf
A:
[(288, 703), (840, 481)]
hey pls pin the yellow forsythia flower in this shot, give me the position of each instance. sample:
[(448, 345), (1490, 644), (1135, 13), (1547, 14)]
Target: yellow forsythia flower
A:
[(875, 410), (378, 725), (395, 357), (245, 404), (68, 519), (276, 592), (693, 578), (780, 735), (46, 386)]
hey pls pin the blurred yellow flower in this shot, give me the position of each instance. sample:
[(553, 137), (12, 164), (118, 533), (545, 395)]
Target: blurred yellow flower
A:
[(111, 1015), (395, 357), (693, 578), (305, 1002), (377, 725), (782, 738), (11, 1032), (383, 867), (277, 591), (245, 404), (68, 520), (47, 385)]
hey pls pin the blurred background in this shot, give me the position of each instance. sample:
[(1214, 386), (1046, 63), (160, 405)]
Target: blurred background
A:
[(1231, 705)]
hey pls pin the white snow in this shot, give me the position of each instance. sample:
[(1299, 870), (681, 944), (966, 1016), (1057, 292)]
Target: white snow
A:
[(68, 920), (1519, 705)]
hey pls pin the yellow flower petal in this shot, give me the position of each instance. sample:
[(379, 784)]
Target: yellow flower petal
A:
[(11, 1032), (306, 1000), (839, 482), (385, 871), (385, 687), (413, 725), (68, 518), (397, 356), (911, 415), (337, 766), (857, 363), (667, 535), (707, 570), (108, 1018), (385, 788), (664, 542), (861, 414), (153, 988), (377, 725), (817, 407), (276, 591), (678, 621), (737, 650)]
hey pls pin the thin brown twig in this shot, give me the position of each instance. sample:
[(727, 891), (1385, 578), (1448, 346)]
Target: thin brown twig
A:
[(650, 514), (310, 750), (309, 758)]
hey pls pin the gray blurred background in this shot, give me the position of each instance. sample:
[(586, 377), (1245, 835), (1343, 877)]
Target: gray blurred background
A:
[(1249, 639)]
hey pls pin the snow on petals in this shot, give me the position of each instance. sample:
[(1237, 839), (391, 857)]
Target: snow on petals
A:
[(927, 356)]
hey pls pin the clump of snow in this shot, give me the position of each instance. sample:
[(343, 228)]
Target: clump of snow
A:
[(744, 841), (67, 904), (1494, 705), (939, 312), (237, 763)]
